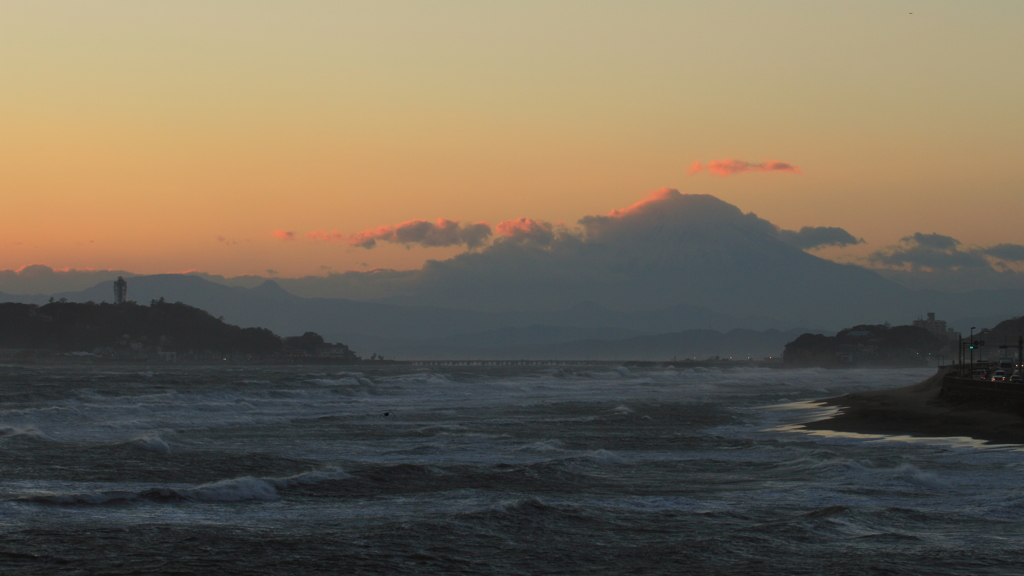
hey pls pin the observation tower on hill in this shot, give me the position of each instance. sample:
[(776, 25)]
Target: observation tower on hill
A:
[(120, 290)]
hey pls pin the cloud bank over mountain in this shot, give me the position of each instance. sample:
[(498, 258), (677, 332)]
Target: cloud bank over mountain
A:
[(665, 250), (936, 252), (1007, 252), (443, 232), (42, 279), (811, 237), (938, 262)]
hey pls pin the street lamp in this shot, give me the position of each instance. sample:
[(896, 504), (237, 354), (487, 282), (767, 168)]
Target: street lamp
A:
[(959, 351), (972, 352)]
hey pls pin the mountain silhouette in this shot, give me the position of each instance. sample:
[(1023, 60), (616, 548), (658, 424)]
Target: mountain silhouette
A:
[(671, 250)]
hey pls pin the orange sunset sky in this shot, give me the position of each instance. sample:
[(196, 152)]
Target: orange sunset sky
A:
[(170, 136)]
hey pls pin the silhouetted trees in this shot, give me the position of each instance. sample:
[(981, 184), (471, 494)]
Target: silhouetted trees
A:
[(162, 326), (309, 342), (864, 345)]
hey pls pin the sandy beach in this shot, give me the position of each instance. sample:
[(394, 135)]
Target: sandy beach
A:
[(919, 411)]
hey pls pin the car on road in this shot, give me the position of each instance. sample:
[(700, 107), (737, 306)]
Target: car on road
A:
[(999, 376), (1016, 378)]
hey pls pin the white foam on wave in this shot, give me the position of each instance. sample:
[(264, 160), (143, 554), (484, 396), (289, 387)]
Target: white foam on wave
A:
[(152, 443), (911, 474), (355, 375), (420, 379), (355, 382), (544, 446), (440, 429), (241, 489), (866, 473), (651, 504), (234, 490), (10, 431), (106, 418), (309, 478), (604, 458), (514, 507)]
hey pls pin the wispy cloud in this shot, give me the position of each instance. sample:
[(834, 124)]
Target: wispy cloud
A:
[(284, 234), (934, 241), (731, 167), (322, 236), (811, 237), (929, 251), (442, 232), (1008, 252)]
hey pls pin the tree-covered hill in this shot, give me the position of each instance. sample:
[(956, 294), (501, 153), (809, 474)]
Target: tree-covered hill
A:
[(161, 326), (864, 345)]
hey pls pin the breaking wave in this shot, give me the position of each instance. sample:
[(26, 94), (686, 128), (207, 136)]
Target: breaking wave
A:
[(230, 490)]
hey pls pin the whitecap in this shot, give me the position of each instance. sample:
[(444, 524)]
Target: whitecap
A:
[(604, 458), (543, 446), (910, 473), (234, 490), (152, 444)]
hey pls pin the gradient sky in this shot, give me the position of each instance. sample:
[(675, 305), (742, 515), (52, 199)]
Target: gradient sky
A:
[(168, 136)]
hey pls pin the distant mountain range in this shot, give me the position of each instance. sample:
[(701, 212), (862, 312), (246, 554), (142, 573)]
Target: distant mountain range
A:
[(418, 331), (584, 331), (635, 283)]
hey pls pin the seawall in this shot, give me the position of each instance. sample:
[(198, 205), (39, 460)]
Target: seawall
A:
[(956, 388)]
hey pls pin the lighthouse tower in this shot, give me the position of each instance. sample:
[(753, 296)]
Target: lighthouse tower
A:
[(120, 290)]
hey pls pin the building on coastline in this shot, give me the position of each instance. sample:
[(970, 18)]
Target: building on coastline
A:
[(937, 328)]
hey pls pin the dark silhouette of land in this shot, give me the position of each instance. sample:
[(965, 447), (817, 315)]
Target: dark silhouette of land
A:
[(920, 410), (162, 330), (864, 345)]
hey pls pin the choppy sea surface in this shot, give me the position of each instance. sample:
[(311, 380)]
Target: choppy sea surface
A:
[(483, 470)]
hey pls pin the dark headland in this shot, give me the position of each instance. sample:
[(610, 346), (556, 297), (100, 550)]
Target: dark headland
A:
[(922, 410), (160, 332)]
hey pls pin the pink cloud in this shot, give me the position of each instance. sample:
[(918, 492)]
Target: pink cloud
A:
[(322, 236), (657, 197), (443, 232), (526, 230), (283, 234), (732, 166), (36, 270)]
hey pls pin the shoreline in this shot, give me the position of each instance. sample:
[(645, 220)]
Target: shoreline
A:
[(918, 410)]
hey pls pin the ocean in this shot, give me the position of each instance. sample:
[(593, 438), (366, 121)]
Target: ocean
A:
[(484, 470)]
